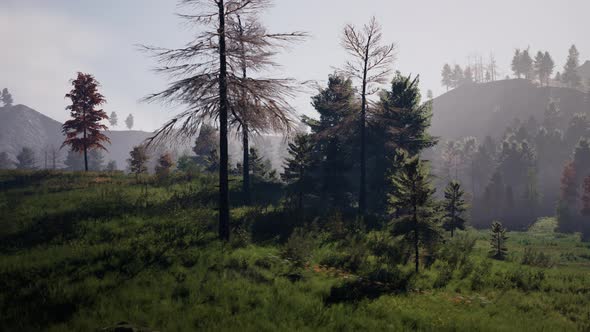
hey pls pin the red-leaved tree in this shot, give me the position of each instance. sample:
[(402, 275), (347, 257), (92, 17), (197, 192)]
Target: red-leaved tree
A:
[(586, 198), (84, 131)]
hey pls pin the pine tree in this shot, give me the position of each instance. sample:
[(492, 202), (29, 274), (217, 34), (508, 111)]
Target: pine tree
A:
[(6, 97), (26, 159), (113, 119), (447, 76), (568, 199), (581, 162), (526, 65), (548, 67), (586, 198), (498, 242), (129, 121), (570, 74), (111, 166), (552, 116), (454, 206), (413, 202), (516, 63), (5, 162), (539, 67), (138, 161), (457, 76), (74, 161), (95, 161), (206, 141), (297, 167), (84, 131)]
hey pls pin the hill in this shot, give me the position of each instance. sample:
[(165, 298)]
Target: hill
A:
[(136, 257), (486, 109)]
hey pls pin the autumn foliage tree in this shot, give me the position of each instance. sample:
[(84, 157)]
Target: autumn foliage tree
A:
[(84, 131), (138, 161)]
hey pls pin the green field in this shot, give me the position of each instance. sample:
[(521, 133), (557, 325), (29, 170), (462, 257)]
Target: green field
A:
[(83, 252)]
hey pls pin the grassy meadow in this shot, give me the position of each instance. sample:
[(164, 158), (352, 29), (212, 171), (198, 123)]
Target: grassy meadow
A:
[(85, 252)]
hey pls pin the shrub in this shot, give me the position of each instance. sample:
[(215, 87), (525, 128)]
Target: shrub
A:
[(457, 250), (299, 247), (536, 258)]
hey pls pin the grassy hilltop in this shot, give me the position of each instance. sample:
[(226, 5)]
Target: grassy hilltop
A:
[(84, 252)]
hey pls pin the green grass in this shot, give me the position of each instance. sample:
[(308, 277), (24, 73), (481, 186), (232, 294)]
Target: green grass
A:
[(82, 252)]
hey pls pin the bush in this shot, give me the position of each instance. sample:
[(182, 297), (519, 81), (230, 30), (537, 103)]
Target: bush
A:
[(536, 258), (299, 247), (457, 250)]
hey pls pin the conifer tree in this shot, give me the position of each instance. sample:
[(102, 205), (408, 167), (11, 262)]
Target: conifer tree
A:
[(454, 206), (74, 161), (212, 161), (447, 76), (498, 241), (84, 131), (568, 199), (570, 74), (207, 140), (6, 97), (113, 119), (95, 160), (298, 166), (26, 159), (516, 63), (413, 202), (526, 65), (370, 65), (548, 67), (129, 121), (138, 161), (586, 198), (457, 76)]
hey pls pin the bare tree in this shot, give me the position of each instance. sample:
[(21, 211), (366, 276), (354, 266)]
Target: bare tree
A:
[(206, 80), (370, 64), (261, 104)]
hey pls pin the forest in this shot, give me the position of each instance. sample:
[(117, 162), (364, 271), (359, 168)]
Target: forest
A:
[(358, 218)]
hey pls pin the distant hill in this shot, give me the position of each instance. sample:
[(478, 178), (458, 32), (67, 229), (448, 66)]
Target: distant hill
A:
[(21, 126), (487, 109)]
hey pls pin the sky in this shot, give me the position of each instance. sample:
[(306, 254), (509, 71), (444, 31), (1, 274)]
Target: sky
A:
[(43, 43)]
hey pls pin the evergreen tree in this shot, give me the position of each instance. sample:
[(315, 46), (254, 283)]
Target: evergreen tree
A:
[(457, 76), (570, 74), (586, 198), (516, 63), (6, 97), (581, 161), (498, 242), (400, 124), (129, 121), (447, 76), (95, 160), (578, 128), (526, 65), (297, 167), (26, 159), (5, 162), (138, 161), (539, 67), (568, 199), (335, 140), (113, 119), (74, 161), (548, 67), (84, 131), (111, 166), (413, 202), (454, 206), (552, 116)]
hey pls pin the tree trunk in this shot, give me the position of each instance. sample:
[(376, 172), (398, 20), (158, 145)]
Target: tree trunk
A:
[(363, 164), (224, 228), (246, 165), (85, 152), (416, 239)]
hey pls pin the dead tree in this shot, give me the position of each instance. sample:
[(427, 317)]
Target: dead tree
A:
[(207, 81), (370, 64)]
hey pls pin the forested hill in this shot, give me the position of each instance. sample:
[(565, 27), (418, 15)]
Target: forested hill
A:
[(487, 109)]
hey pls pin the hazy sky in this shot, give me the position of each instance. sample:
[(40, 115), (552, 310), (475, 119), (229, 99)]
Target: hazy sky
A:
[(43, 43)]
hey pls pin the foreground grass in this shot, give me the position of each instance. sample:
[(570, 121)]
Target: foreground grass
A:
[(85, 251)]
